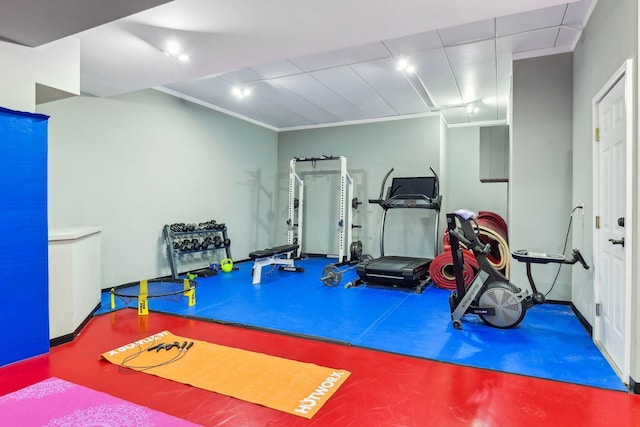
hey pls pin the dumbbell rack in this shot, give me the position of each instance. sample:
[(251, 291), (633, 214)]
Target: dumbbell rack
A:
[(171, 237)]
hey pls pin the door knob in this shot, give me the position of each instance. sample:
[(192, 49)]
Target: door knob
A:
[(617, 242)]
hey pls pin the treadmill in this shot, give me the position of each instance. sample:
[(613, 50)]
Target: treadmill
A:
[(403, 271)]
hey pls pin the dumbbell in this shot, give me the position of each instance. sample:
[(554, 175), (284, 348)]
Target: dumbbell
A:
[(195, 244), (206, 243)]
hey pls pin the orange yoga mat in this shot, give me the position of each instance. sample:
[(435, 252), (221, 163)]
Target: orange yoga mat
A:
[(298, 388)]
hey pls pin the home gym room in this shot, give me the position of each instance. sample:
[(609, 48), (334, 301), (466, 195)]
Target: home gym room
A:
[(116, 156)]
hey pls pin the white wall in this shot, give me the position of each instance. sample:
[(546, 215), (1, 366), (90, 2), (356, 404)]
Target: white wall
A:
[(410, 146), (540, 200), (56, 65), (465, 191), (133, 163), (610, 38), (611, 24)]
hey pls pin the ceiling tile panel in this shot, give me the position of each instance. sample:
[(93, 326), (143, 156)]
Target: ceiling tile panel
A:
[(455, 115), (485, 114), (522, 22), (367, 52), (413, 43), (525, 42), (266, 100), (348, 84), (391, 85), (435, 73), (455, 67), (474, 68), (319, 61), (264, 105), (567, 37), (276, 69), (313, 91), (576, 13), (288, 100), (241, 77), (474, 31)]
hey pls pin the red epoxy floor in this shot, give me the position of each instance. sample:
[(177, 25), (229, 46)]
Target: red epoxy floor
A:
[(383, 390)]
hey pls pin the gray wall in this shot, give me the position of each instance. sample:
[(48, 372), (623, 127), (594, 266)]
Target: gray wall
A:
[(133, 163), (540, 200), (410, 146), (465, 191), (610, 38)]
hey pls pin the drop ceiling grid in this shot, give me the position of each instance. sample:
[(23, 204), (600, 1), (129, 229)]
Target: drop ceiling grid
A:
[(292, 102), (576, 13), (360, 82), (531, 41), (277, 69), (394, 87), (365, 53), (532, 20), (318, 61), (472, 32), (413, 43), (349, 86), (266, 102), (434, 70), (313, 91), (218, 92), (474, 69)]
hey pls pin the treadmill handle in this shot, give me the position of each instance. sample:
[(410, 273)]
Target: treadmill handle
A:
[(384, 183)]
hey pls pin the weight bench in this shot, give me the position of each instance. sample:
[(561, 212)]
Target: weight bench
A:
[(278, 255)]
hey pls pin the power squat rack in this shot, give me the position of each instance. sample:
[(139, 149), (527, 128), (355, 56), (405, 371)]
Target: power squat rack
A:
[(346, 246)]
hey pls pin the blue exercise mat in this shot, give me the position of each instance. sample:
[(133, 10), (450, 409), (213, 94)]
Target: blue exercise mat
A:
[(550, 342)]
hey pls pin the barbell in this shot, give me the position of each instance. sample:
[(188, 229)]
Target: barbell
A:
[(332, 275)]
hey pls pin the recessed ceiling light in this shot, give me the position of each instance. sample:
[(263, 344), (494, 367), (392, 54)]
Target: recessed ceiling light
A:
[(404, 65), (241, 92), (401, 65), (184, 57), (173, 48)]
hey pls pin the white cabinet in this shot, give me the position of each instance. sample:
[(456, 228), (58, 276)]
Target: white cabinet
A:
[(74, 277)]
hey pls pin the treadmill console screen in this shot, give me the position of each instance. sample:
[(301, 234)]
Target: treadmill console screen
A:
[(421, 185)]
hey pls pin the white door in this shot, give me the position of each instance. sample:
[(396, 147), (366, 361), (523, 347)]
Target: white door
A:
[(611, 275)]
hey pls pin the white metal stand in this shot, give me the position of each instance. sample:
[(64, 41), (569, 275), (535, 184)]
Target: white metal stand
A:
[(345, 213)]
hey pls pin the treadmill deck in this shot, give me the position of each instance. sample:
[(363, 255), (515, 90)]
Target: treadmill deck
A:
[(397, 271)]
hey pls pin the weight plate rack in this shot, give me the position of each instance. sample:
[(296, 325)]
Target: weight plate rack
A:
[(183, 239)]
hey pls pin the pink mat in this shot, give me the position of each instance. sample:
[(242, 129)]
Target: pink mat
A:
[(57, 403)]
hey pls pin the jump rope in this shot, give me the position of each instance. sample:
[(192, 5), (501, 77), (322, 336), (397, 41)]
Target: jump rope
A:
[(182, 349)]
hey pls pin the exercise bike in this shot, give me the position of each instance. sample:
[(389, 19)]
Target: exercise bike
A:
[(490, 295)]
